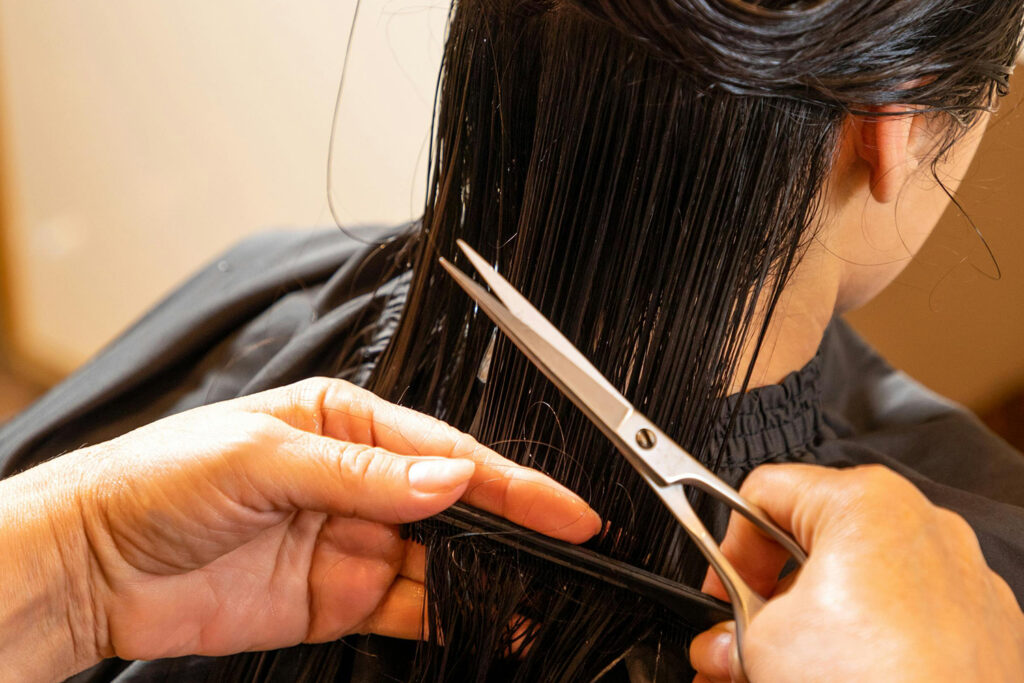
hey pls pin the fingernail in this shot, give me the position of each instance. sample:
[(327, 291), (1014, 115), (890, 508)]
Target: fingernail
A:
[(721, 648), (439, 476)]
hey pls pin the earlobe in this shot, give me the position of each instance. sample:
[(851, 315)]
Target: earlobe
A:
[(884, 142)]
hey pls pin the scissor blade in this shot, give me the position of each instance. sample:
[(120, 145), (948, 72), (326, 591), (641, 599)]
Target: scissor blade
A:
[(546, 348), (520, 307)]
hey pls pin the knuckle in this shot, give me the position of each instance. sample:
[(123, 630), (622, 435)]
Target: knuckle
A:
[(361, 464), (256, 428), (312, 385), (877, 481), (322, 386), (867, 494), (308, 400), (462, 444), (755, 482), (1005, 594), (880, 475), (957, 527), (240, 449), (356, 460), (308, 392)]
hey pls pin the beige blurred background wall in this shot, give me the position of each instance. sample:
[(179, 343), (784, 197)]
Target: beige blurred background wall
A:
[(137, 140), (140, 139)]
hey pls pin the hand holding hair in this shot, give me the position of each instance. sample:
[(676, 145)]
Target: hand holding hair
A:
[(894, 589), (253, 524)]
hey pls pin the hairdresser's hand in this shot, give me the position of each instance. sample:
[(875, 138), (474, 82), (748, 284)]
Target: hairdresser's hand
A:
[(895, 589), (254, 524)]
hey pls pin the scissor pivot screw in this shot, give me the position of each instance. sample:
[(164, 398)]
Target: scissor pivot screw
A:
[(646, 439)]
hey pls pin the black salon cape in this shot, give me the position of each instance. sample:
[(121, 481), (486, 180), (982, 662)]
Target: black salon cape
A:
[(283, 306)]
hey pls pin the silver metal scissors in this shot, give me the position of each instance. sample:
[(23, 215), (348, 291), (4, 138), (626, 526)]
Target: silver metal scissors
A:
[(665, 466)]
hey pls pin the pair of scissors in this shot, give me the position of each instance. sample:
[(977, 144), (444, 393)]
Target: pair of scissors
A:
[(664, 465)]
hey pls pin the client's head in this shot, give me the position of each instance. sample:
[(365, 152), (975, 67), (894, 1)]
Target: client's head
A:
[(665, 180), (913, 107)]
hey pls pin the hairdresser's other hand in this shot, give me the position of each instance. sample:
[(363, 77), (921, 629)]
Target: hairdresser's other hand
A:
[(895, 588), (253, 524)]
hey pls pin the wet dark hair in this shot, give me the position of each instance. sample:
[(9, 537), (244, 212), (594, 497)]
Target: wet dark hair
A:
[(647, 172)]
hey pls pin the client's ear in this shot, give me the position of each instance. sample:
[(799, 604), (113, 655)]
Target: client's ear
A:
[(888, 143)]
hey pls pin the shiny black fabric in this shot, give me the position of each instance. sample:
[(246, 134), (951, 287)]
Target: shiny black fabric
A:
[(283, 306)]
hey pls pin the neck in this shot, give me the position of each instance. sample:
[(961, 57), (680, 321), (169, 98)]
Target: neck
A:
[(798, 324)]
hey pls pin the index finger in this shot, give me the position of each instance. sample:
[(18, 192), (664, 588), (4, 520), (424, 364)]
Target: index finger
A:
[(343, 411), (758, 558)]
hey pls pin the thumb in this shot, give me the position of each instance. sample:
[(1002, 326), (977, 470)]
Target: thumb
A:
[(306, 471), (710, 652)]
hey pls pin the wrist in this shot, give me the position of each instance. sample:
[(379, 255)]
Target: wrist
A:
[(48, 624)]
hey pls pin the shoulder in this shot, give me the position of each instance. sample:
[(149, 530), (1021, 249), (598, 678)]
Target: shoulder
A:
[(867, 391), (877, 411), (205, 340)]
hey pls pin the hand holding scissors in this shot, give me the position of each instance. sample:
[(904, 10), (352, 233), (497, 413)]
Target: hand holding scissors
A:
[(894, 589)]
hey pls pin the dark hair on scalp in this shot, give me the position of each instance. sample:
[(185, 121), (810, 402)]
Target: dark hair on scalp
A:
[(647, 173), (953, 54)]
